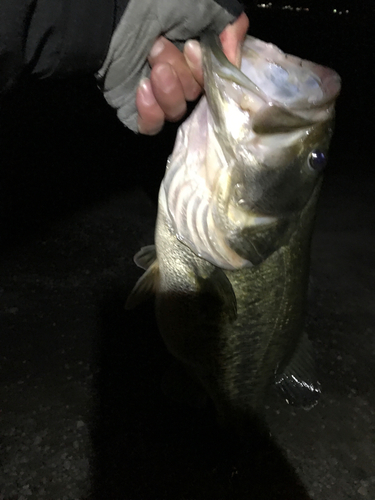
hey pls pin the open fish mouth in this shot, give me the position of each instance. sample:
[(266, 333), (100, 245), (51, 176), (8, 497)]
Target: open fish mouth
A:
[(273, 75), (285, 79), (279, 91)]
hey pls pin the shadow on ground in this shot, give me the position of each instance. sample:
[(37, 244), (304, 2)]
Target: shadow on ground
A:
[(147, 447)]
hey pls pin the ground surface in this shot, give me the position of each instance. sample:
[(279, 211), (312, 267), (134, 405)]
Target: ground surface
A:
[(80, 384), (82, 413)]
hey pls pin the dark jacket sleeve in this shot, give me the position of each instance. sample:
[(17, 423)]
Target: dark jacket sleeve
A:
[(54, 37)]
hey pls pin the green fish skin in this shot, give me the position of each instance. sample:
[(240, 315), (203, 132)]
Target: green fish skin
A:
[(230, 266)]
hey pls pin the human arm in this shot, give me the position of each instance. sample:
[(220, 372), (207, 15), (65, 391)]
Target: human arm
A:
[(54, 38), (128, 63), (58, 38)]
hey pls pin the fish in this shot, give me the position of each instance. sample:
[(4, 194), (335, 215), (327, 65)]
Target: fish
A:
[(229, 268)]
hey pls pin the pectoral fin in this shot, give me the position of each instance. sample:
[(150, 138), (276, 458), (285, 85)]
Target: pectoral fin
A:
[(297, 381), (145, 287), (257, 243), (145, 257), (218, 286)]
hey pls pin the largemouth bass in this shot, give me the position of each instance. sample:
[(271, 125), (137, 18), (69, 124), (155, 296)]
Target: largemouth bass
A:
[(230, 264)]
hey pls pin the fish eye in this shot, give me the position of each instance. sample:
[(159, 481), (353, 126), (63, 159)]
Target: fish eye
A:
[(317, 160)]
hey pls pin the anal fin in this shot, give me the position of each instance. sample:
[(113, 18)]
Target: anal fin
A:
[(297, 381)]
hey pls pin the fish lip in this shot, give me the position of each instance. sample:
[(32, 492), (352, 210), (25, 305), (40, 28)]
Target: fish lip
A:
[(212, 48)]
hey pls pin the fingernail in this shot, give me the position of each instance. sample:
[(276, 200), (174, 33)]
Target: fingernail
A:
[(166, 73), (157, 48), (145, 89), (193, 53), (148, 131)]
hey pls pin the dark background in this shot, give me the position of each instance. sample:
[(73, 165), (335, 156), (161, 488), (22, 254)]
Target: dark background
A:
[(80, 377), (62, 147)]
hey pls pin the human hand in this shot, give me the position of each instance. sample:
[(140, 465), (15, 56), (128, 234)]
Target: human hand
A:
[(175, 76)]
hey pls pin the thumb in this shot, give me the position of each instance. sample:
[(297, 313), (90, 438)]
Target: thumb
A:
[(232, 38)]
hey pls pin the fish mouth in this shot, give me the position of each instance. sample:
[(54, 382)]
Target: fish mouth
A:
[(288, 80), (279, 91)]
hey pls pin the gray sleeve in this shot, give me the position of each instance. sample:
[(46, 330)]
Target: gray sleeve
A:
[(142, 23), (54, 38)]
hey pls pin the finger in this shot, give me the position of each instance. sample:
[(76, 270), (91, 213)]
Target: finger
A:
[(150, 115), (193, 56), (168, 91), (163, 51), (232, 38)]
